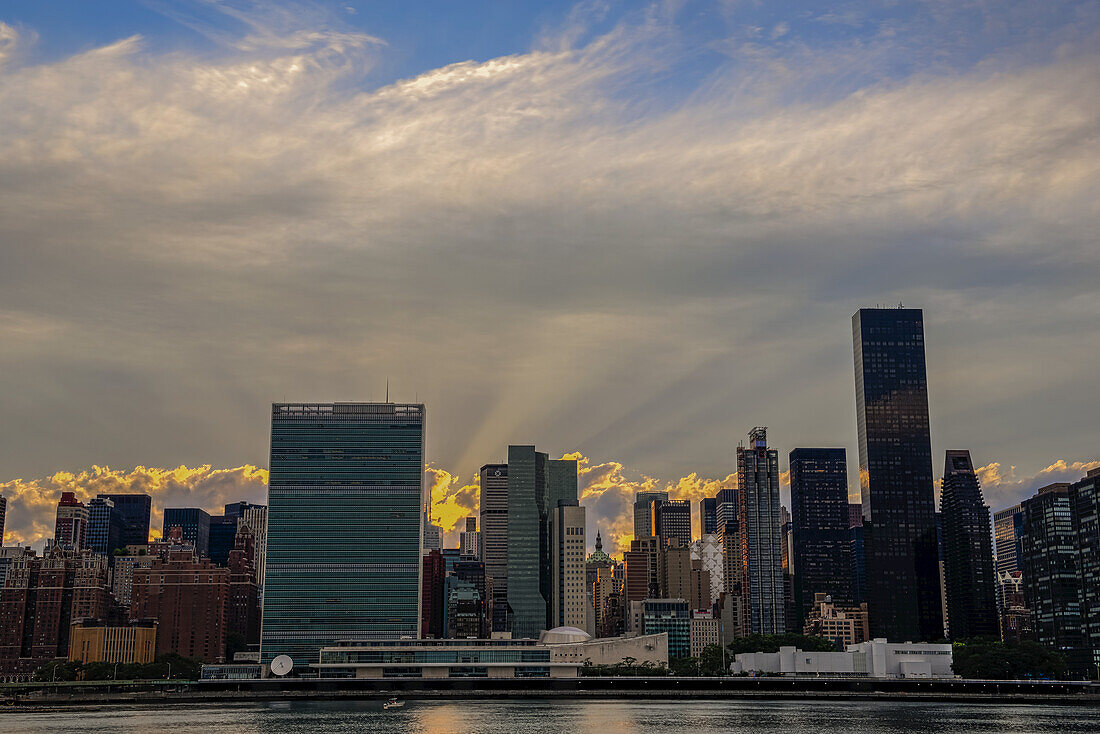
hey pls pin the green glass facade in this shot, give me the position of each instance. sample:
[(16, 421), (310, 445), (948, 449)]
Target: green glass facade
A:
[(528, 543), (344, 516)]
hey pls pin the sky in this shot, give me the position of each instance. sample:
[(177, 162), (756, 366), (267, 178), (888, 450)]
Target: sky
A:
[(622, 231)]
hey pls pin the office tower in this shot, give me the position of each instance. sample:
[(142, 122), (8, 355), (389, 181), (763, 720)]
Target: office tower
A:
[(708, 516), (494, 540), (1048, 559), (135, 509), (105, 526), (675, 570), (967, 551), (636, 575), (673, 617), (194, 524), (255, 518), (41, 598), (3, 517), (567, 532), (188, 598), (433, 535), (786, 538), (237, 510), (725, 510), (469, 540), (1084, 498), (471, 572), (71, 527), (651, 546), (858, 564), (1006, 537), (1015, 617), (344, 517), (643, 511), (708, 551), (855, 514), (535, 484), (433, 582), (895, 469), (760, 562), (701, 596), (221, 536), (820, 529), (242, 616), (672, 519)]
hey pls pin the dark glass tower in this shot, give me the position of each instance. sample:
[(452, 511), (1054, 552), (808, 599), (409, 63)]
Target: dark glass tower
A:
[(494, 539), (1085, 505), (105, 525), (194, 523), (969, 579), (672, 519), (345, 504), (135, 510), (895, 471), (763, 604), (708, 515), (1049, 561), (821, 540)]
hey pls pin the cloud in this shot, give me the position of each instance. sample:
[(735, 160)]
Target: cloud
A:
[(32, 504), (612, 241), (1003, 487)]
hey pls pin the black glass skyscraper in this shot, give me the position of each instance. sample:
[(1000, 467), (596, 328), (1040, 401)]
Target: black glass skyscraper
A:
[(967, 552), (895, 468), (195, 524), (821, 541), (708, 515), (135, 509)]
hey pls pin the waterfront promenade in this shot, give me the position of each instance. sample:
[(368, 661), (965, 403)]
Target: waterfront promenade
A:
[(20, 695)]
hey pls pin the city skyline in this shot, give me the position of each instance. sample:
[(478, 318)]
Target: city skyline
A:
[(625, 230)]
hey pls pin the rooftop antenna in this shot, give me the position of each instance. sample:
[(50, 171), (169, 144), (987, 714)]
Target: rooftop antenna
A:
[(387, 389)]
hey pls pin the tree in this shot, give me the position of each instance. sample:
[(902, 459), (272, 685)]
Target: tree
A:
[(58, 670), (995, 660), (684, 666), (772, 643), (710, 661)]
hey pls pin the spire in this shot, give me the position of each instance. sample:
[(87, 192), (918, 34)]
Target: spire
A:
[(599, 542)]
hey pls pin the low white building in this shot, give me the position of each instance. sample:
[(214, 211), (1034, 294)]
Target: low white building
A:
[(568, 644), (875, 659)]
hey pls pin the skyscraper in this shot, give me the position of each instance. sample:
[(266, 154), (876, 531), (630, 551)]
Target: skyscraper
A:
[(135, 510), (725, 510), (895, 469), (195, 524), (643, 511), (821, 537), (970, 583), (345, 504), (1084, 497), (3, 517), (71, 526), (494, 541), (672, 519), (1048, 559), (708, 516), (761, 547), (469, 540), (1006, 536), (567, 532), (534, 481), (221, 538), (105, 526)]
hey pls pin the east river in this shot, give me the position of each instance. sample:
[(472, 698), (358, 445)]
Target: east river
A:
[(535, 716)]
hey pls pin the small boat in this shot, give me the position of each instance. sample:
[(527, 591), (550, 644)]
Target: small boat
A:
[(393, 703)]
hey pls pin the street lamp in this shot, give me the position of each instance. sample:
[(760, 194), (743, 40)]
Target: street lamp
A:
[(169, 672), (115, 676)]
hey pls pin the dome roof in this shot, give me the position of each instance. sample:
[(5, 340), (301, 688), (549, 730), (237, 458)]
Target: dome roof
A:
[(563, 635)]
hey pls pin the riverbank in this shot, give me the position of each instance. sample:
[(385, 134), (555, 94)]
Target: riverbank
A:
[(20, 696)]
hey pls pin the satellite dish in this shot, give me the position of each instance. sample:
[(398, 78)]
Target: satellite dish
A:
[(282, 665)]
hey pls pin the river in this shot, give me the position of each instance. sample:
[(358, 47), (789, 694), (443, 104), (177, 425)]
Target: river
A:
[(536, 716)]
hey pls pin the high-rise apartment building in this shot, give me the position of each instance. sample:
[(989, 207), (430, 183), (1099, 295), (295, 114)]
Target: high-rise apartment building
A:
[(189, 598), (643, 511), (725, 510), (672, 519), (469, 540), (708, 551), (3, 517), (760, 561), (568, 550), (135, 510), (820, 529), (105, 526), (895, 469), (1048, 559), (344, 517), (1006, 537), (194, 523), (71, 526), (1084, 497), (254, 517), (433, 613), (969, 578)]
